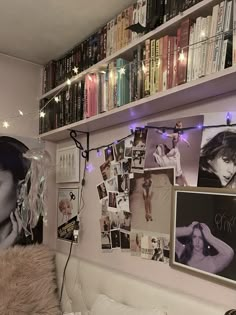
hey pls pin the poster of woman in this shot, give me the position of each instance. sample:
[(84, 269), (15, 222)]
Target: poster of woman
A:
[(204, 232), (169, 145), (217, 166), (13, 169)]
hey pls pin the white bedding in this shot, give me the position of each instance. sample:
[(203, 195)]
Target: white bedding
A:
[(85, 281)]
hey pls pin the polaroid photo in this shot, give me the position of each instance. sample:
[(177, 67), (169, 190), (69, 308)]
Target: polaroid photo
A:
[(116, 169), (119, 151), (115, 239), (123, 183), (112, 200), (105, 169), (109, 154), (124, 241), (114, 219), (104, 206), (140, 138), (102, 192), (126, 166), (135, 243), (105, 228), (112, 184), (122, 202), (125, 221), (128, 146), (138, 159)]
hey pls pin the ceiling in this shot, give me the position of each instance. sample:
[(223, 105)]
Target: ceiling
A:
[(41, 30)]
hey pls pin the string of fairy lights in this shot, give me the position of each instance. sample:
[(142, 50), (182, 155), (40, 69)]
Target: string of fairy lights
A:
[(133, 128), (143, 64)]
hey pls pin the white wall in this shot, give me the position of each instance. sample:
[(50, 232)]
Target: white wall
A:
[(89, 247), (20, 87)]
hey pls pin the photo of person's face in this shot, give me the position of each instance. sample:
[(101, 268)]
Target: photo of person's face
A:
[(66, 207), (197, 240), (7, 194), (155, 243), (223, 168)]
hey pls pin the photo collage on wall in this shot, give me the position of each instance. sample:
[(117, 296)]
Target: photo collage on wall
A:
[(184, 152), (113, 192)]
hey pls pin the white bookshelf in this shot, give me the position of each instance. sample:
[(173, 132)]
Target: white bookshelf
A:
[(202, 8), (213, 85)]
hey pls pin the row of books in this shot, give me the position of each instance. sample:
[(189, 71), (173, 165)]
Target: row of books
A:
[(112, 37)]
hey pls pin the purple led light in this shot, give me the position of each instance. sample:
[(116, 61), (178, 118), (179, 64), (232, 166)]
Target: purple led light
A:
[(99, 153), (89, 168), (199, 126)]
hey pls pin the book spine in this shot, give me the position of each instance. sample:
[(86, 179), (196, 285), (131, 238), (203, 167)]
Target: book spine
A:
[(164, 62), (157, 66), (152, 67), (147, 67), (182, 63)]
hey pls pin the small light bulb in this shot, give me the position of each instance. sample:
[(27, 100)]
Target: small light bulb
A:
[(68, 82), (20, 112), (202, 34), (90, 79), (5, 124), (42, 114), (144, 68), (56, 98), (75, 70), (122, 70), (181, 56)]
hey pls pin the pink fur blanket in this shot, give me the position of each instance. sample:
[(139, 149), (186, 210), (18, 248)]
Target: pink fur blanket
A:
[(28, 281)]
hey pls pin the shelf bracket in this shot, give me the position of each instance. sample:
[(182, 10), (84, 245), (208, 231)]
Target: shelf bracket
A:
[(84, 151)]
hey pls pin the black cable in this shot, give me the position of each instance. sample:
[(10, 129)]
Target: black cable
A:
[(64, 272)]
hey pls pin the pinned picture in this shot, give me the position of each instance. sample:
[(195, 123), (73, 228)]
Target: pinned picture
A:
[(105, 169), (105, 233), (119, 151), (67, 211), (217, 166), (112, 184), (109, 154), (138, 159), (129, 142), (104, 206), (115, 239), (125, 220), (124, 241), (102, 192), (122, 202), (123, 183), (126, 166), (114, 219), (204, 239), (171, 144), (135, 243), (112, 200), (140, 137), (115, 169), (150, 201)]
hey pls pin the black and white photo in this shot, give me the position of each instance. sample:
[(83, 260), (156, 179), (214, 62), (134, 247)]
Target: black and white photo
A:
[(124, 240), (119, 150), (129, 142), (14, 217), (150, 201), (102, 192), (204, 232), (112, 200), (169, 145), (125, 220), (115, 169), (140, 137), (138, 159), (114, 219), (217, 166), (112, 184), (115, 239), (109, 154), (105, 169), (122, 202), (123, 183)]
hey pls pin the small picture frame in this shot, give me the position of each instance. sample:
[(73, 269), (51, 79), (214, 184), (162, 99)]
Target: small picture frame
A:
[(67, 165), (203, 239), (67, 211)]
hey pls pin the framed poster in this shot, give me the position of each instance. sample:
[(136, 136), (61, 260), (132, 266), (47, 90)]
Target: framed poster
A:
[(67, 161), (204, 232), (67, 211)]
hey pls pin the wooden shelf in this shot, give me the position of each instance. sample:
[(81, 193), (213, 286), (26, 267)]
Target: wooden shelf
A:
[(213, 85), (202, 8)]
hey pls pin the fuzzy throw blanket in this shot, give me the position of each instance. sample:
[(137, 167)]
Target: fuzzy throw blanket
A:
[(28, 281)]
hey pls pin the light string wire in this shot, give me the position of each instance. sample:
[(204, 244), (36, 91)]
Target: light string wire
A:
[(77, 78), (163, 129)]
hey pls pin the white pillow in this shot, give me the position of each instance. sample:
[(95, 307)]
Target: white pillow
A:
[(103, 305)]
